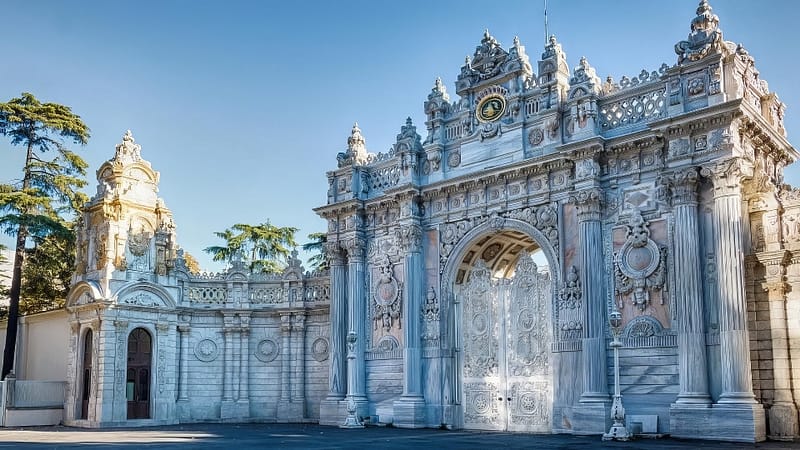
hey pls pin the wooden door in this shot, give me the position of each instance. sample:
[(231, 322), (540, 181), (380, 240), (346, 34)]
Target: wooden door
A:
[(86, 375), (137, 383)]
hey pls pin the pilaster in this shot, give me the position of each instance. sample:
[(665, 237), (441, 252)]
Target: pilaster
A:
[(244, 364), (693, 374), (331, 410), (736, 415), (783, 419), (183, 380), (409, 410), (595, 403), (356, 312)]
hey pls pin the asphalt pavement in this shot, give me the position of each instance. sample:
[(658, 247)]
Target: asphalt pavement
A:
[(299, 436)]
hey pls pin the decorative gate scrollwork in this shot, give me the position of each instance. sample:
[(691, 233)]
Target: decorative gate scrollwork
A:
[(507, 376)]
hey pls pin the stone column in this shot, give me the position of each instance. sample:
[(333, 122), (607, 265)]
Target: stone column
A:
[(783, 421), (329, 407), (693, 375), (737, 379), (595, 383), (227, 383), (244, 362), (356, 312), (409, 410), (286, 370), (298, 369), (183, 383)]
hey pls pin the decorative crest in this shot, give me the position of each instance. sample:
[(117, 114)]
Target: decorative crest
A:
[(489, 57), (128, 150), (705, 37), (356, 153)]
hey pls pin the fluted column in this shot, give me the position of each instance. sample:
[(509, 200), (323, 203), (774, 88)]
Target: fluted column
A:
[(737, 379), (183, 383), (356, 311), (692, 375), (414, 286), (595, 384), (338, 318), (783, 419), (409, 410)]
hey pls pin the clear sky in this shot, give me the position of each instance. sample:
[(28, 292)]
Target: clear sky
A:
[(243, 105)]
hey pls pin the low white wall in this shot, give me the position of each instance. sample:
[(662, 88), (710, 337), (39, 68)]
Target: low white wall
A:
[(31, 403), (42, 346)]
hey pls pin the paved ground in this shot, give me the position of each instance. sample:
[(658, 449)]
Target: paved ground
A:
[(292, 436)]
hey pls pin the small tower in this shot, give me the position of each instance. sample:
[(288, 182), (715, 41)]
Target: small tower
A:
[(127, 232)]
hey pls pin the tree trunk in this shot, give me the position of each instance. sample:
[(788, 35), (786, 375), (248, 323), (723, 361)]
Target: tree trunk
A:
[(16, 278)]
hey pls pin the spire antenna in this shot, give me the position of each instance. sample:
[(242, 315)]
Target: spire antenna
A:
[(545, 23)]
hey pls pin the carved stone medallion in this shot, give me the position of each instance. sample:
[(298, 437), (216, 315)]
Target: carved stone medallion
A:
[(386, 296), (639, 263), (206, 350), (319, 349), (266, 350)]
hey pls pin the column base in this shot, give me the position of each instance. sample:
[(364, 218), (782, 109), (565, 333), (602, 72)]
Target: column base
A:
[(693, 400), (184, 410), (783, 424), (592, 417), (409, 412), (231, 409), (722, 422), (332, 411), (291, 411)]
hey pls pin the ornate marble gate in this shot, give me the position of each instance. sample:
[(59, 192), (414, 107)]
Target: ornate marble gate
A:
[(506, 370)]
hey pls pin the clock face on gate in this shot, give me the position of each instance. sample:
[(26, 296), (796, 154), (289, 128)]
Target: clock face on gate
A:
[(491, 108)]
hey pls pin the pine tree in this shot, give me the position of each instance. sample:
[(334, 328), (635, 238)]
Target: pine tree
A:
[(33, 207), (263, 247), (316, 245)]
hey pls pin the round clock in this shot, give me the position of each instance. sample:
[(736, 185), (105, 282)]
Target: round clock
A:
[(491, 108)]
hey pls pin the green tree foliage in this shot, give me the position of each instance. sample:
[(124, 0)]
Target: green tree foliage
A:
[(316, 246), (263, 247), (37, 207)]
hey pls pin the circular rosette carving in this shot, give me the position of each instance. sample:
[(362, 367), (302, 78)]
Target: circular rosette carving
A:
[(319, 349), (535, 136), (266, 350), (206, 350), (482, 402)]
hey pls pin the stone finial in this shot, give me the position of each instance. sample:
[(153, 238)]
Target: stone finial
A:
[(128, 150), (356, 153), (705, 36)]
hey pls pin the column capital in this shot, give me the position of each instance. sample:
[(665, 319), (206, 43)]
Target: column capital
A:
[(184, 328), (727, 176), (683, 186), (356, 247), (589, 202), (409, 237), (286, 322), (334, 253)]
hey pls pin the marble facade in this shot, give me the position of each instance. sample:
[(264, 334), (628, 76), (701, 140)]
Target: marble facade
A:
[(473, 271)]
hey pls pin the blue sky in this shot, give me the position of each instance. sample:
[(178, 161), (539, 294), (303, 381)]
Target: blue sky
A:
[(243, 105)]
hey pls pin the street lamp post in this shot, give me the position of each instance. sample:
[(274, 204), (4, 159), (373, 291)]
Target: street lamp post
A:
[(618, 432)]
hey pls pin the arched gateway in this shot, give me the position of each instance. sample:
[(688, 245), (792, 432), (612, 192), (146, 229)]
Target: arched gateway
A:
[(502, 305)]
